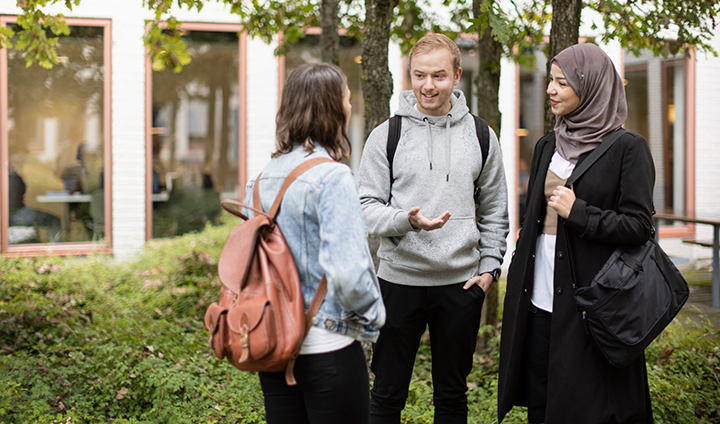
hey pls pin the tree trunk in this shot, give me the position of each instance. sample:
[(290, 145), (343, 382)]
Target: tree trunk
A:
[(377, 82), (488, 78), (564, 32), (488, 87), (330, 39)]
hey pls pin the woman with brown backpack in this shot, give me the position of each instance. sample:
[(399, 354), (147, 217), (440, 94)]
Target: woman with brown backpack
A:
[(323, 225)]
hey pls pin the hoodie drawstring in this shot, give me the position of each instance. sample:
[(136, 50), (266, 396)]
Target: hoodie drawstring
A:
[(429, 142), (448, 150), (447, 146)]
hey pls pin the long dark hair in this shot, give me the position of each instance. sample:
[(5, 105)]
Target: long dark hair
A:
[(311, 109)]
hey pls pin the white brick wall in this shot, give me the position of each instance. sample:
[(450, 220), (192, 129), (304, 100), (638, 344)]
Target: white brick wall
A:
[(707, 139), (128, 129), (262, 104)]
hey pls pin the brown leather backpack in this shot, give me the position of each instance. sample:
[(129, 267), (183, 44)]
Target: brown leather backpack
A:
[(259, 322)]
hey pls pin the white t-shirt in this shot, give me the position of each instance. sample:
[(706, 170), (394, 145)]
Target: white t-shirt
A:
[(320, 340), (543, 278)]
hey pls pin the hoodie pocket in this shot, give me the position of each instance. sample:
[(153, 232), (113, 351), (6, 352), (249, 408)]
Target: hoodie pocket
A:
[(453, 246)]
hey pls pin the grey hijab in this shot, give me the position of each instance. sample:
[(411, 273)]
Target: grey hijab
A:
[(602, 108)]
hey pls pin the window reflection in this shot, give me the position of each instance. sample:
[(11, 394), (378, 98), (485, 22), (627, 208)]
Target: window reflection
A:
[(533, 87), (56, 143), (655, 90), (195, 152)]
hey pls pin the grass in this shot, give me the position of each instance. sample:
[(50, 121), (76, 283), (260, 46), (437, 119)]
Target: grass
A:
[(89, 340)]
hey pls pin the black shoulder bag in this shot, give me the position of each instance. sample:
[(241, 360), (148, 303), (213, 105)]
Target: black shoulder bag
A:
[(633, 297)]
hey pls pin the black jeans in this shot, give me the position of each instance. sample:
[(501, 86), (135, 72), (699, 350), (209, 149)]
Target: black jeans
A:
[(453, 317), (534, 365), (331, 388)]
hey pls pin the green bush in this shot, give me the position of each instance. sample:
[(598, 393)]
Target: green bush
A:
[(683, 366), (89, 340)]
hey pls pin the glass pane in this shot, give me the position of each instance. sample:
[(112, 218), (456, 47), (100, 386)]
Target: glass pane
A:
[(673, 178), (55, 129), (195, 153), (307, 50), (655, 92), (533, 85), (636, 91)]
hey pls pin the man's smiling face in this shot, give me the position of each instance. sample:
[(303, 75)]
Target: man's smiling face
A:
[(433, 81)]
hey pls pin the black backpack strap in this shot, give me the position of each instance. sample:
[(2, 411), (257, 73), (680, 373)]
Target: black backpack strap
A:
[(395, 125), (483, 134)]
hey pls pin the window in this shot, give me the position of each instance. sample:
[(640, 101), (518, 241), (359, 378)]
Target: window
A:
[(55, 143), (656, 92), (194, 145), (531, 119)]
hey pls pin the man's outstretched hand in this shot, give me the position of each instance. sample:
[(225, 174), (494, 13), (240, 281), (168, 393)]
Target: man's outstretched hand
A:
[(417, 220)]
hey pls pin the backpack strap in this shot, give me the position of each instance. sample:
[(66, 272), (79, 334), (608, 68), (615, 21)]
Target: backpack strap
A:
[(483, 134), (482, 130), (395, 125), (288, 180), (309, 315)]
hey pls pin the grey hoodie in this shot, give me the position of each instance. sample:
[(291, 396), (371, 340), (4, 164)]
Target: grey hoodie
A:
[(436, 167)]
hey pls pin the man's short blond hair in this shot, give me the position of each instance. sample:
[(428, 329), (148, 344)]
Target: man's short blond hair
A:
[(432, 42)]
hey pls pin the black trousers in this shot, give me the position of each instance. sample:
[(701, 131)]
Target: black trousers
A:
[(534, 365), (453, 318), (331, 388)]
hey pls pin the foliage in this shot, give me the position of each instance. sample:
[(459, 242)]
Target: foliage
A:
[(415, 19), (38, 36), (684, 374), (664, 27), (517, 30), (683, 367), (89, 340), (163, 37), (268, 18)]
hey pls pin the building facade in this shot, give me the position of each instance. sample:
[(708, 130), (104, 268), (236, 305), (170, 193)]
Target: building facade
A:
[(102, 153)]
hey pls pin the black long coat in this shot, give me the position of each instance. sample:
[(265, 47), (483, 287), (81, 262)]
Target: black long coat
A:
[(613, 207)]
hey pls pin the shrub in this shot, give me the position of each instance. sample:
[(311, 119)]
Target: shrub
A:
[(88, 340)]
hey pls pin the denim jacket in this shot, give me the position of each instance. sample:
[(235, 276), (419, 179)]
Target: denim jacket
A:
[(323, 224)]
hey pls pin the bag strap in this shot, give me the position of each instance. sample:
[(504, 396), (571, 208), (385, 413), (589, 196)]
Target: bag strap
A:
[(309, 315), (230, 204), (315, 304), (594, 156), (577, 172), (288, 180)]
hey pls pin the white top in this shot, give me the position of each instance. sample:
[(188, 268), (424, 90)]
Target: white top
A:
[(543, 278), (320, 340)]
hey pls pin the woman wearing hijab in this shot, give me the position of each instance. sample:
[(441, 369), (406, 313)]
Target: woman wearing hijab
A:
[(547, 360)]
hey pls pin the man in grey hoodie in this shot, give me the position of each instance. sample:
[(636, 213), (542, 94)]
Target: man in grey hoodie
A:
[(433, 272)]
